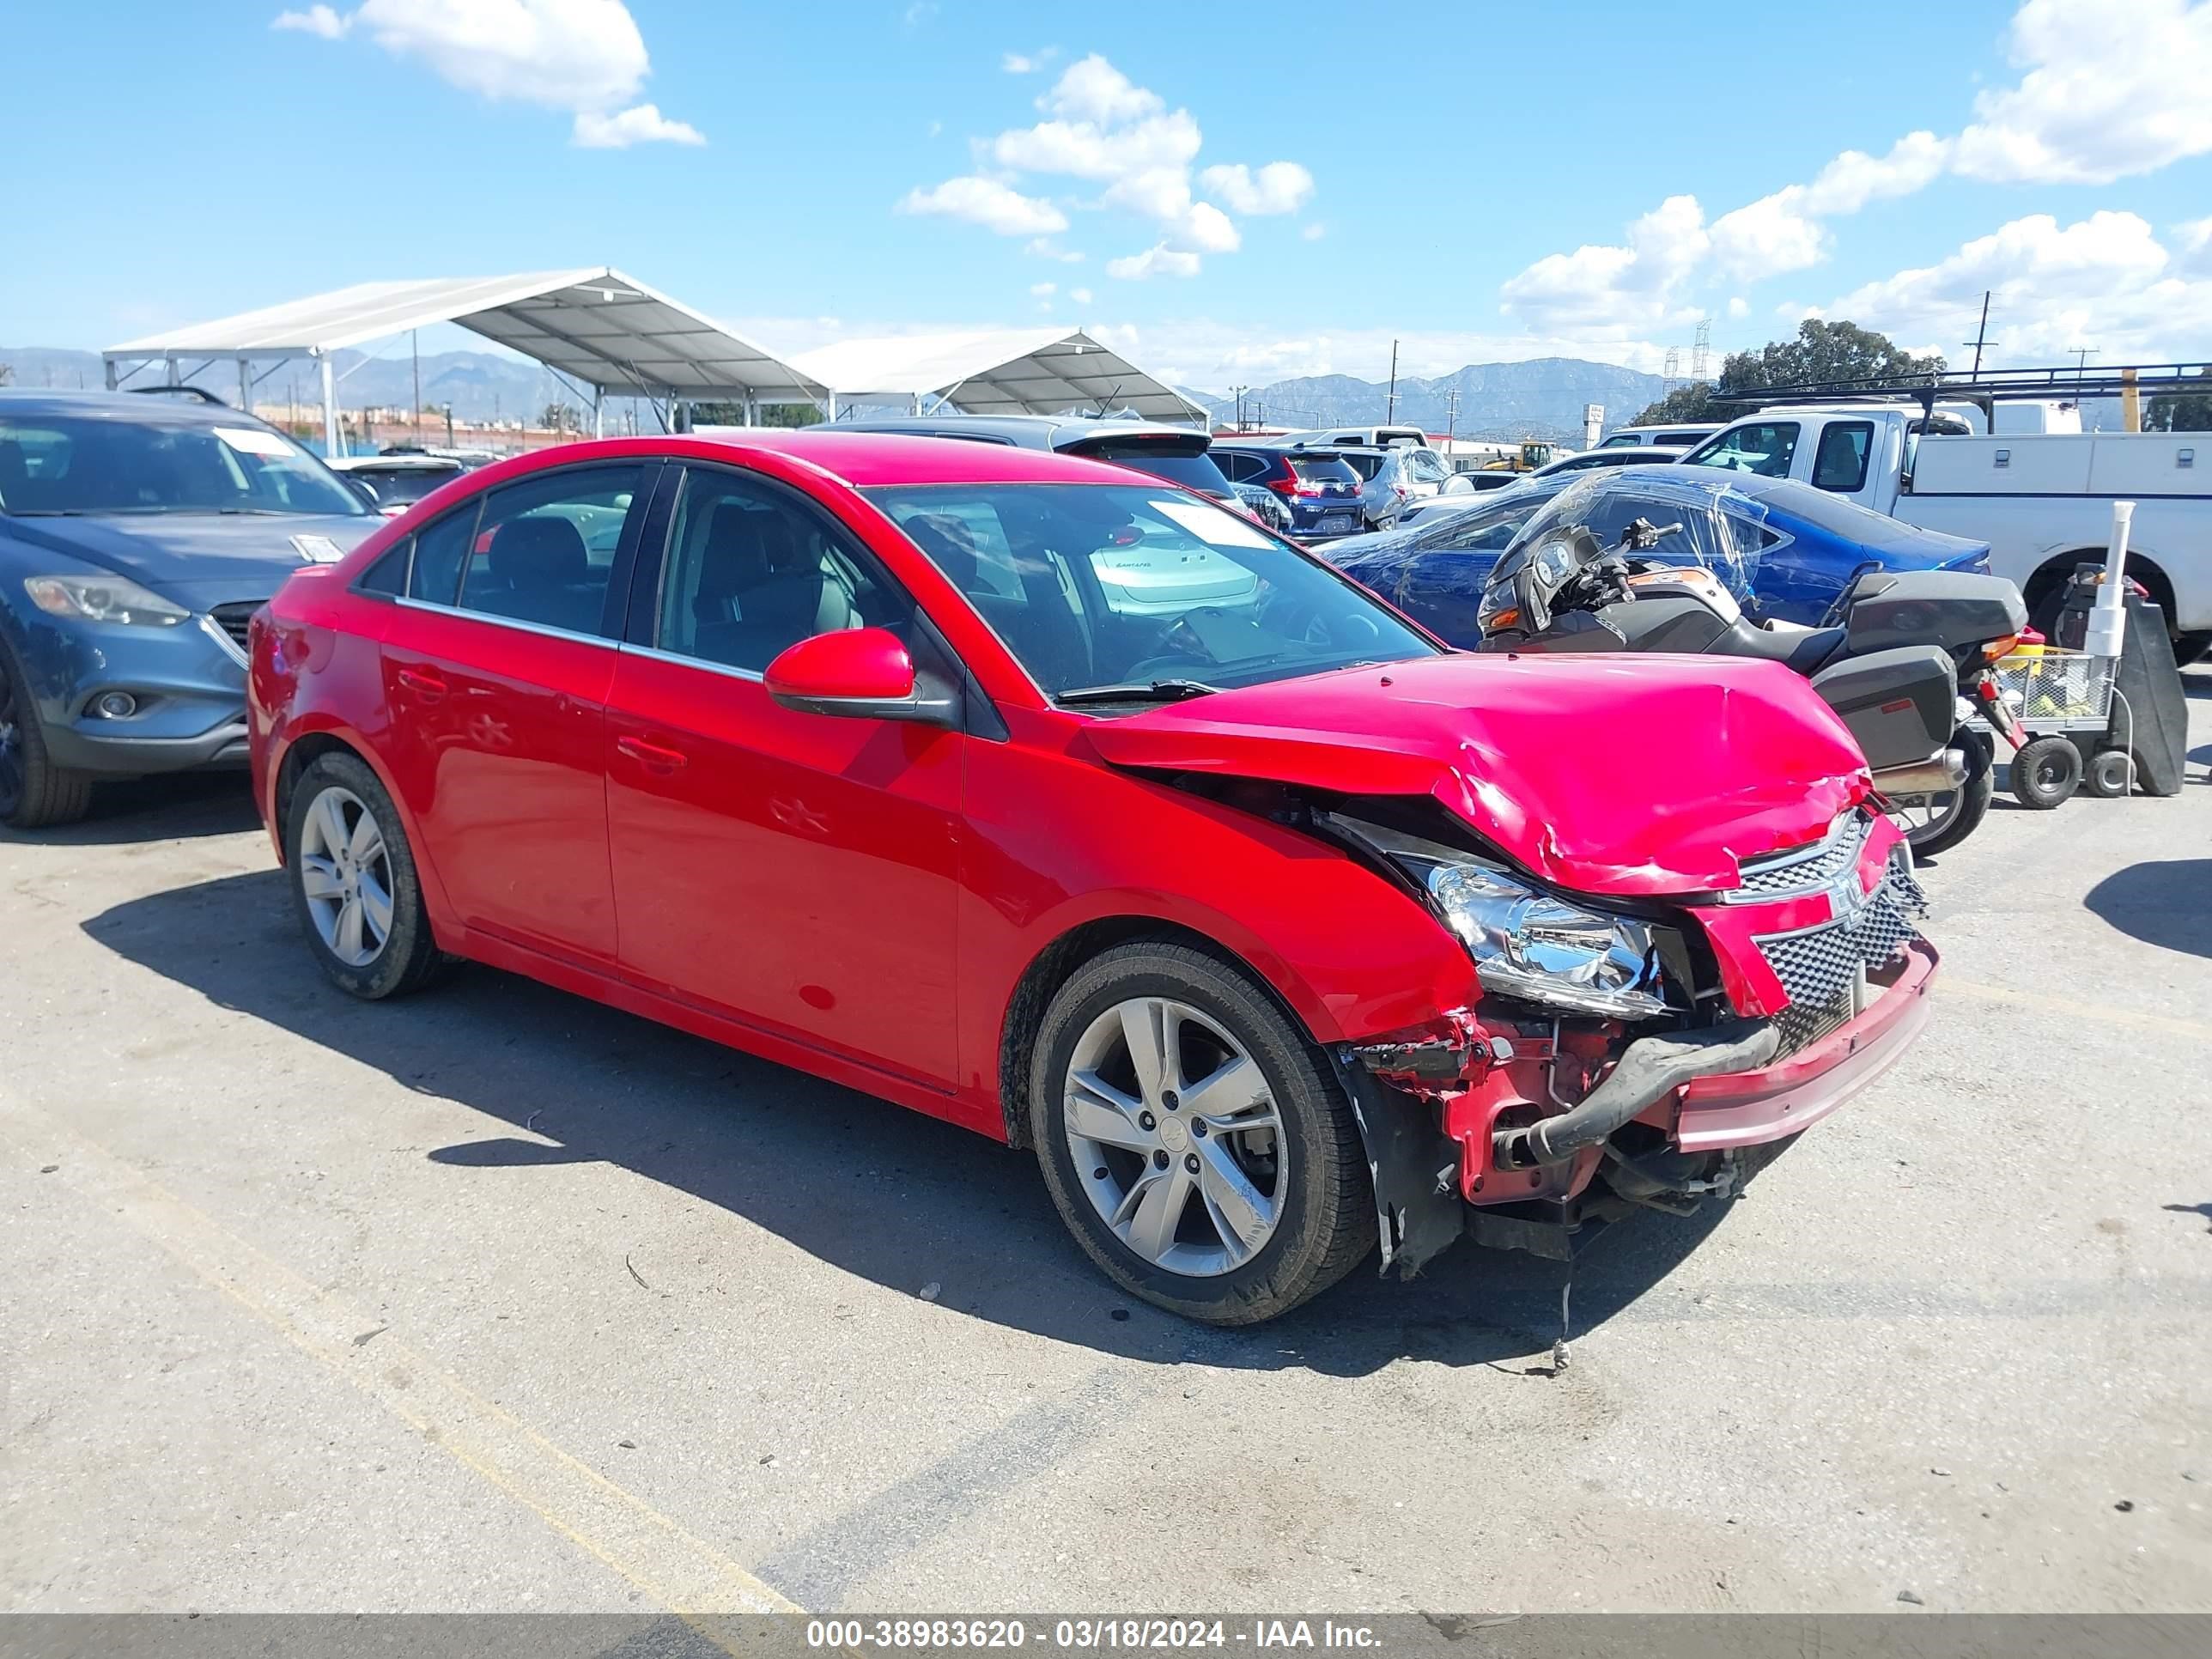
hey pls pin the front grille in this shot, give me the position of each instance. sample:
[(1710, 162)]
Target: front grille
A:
[(233, 619), (1818, 966), (1774, 876)]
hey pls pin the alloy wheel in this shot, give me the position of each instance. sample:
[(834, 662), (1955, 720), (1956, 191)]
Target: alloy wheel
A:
[(1176, 1136), (345, 875), (1923, 818)]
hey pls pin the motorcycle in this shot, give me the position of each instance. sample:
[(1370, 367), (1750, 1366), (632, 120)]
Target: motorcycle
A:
[(1904, 656)]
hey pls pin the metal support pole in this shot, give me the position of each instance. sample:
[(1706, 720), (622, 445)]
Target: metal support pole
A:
[(599, 412), (752, 410), (331, 450), (172, 362), (110, 365), (245, 387)]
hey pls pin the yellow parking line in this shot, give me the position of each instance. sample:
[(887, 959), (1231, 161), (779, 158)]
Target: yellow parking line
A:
[(2073, 1008), (689, 1578)]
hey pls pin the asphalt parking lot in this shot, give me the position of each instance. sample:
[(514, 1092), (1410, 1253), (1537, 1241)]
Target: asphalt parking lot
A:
[(497, 1300)]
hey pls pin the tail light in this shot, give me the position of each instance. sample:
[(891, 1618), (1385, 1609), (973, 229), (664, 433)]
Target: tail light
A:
[(1286, 484), (1996, 648)]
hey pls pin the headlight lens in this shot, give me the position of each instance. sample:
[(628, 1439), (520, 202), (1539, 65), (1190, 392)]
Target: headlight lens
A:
[(1527, 943), (103, 599)]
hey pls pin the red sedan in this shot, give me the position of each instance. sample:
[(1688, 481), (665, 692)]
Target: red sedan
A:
[(1057, 802)]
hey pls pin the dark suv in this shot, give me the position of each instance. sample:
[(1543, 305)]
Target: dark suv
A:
[(1321, 490), (137, 534)]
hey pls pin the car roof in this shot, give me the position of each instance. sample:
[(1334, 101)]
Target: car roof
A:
[(865, 458), (1036, 431), (187, 406)]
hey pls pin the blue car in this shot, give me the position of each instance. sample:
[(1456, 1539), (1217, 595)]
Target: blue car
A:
[(1321, 490), (137, 535), (1788, 549)]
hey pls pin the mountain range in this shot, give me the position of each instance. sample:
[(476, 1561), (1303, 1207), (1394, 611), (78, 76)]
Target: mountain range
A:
[(1542, 397)]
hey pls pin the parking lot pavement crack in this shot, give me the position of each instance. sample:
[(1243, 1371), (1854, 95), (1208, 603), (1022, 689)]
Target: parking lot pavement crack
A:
[(645, 1547)]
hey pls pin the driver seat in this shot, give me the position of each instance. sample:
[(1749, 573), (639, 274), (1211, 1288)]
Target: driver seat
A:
[(1801, 649)]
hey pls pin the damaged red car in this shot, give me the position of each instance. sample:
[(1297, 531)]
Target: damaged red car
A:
[(1055, 801)]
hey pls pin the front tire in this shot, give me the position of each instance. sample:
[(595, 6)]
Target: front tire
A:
[(34, 792), (355, 887), (1193, 1140), (2046, 772)]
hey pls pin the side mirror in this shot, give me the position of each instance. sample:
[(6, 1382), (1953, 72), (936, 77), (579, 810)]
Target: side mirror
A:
[(859, 672)]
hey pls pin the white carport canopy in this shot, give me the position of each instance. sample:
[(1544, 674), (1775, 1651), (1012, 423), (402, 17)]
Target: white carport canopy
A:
[(994, 371), (597, 326)]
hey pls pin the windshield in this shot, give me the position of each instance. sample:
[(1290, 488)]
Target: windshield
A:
[(1104, 585), (76, 464), (1193, 471), (1721, 529), (1366, 466)]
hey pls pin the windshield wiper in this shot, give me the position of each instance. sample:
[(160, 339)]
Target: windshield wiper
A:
[(1139, 691), (45, 511)]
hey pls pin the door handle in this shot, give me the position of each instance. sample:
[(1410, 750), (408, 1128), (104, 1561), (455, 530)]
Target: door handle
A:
[(427, 688), (650, 756)]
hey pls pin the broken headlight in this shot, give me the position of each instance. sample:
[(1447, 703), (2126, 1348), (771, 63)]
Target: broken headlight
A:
[(1526, 942)]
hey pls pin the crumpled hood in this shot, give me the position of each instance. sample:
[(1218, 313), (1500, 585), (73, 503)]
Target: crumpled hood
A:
[(197, 559), (1628, 775)]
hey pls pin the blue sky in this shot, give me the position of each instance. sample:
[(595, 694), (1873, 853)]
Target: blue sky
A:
[(1481, 181)]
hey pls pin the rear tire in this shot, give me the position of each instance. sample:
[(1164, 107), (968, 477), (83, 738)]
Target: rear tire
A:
[(2109, 775), (34, 792), (2046, 772), (1956, 816), (355, 887), (1314, 1219)]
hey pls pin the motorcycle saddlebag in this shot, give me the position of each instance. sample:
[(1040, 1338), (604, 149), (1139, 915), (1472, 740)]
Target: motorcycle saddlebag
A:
[(1950, 608), (1901, 705)]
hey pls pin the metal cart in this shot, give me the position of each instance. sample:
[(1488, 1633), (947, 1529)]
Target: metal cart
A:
[(2059, 696)]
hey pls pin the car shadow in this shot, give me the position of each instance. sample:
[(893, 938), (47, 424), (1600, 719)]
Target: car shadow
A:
[(181, 807), (2168, 903), (886, 1193)]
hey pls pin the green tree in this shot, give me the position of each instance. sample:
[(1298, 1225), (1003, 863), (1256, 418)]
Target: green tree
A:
[(1821, 352), (2182, 412)]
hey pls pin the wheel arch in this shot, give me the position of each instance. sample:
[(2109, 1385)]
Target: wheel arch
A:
[(302, 751), (1059, 961), (2050, 577)]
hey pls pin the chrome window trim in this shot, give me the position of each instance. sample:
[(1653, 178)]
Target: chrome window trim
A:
[(514, 623), (1853, 822), (231, 648), (728, 670)]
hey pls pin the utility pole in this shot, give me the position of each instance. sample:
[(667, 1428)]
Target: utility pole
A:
[(414, 345), (1392, 411), (1451, 413), (2081, 355), (1981, 337)]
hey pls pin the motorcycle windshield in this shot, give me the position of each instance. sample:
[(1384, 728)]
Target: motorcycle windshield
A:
[(1721, 527)]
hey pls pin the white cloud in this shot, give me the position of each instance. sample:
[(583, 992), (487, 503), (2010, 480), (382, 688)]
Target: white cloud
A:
[(1043, 290), (987, 202), (316, 19), (1616, 290), (1314, 232), (1854, 178), (1089, 150), (1045, 249), (1093, 90), (585, 57), (1028, 63), (643, 124), (2109, 91), (1738, 309), (1102, 127), (2105, 280), (1160, 261), (1080, 295), (1278, 187)]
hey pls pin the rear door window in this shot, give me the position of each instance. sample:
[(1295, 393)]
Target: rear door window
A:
[(1840, 463), (545, 548)]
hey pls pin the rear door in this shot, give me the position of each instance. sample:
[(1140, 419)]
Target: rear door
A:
[(496, 669), (795, 872)]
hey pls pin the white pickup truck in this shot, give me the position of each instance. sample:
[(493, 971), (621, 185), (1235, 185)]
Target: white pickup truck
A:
[(2042, 500)]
